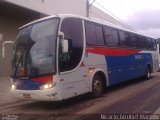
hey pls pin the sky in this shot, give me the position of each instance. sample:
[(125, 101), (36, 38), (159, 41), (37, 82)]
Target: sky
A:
[(143, 15)]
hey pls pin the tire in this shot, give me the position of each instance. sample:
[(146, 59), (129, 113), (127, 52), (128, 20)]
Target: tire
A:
[(97, 86), (148, 73)]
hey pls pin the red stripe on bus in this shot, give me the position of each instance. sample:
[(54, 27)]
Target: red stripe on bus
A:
[(44, 79), (112, 51)]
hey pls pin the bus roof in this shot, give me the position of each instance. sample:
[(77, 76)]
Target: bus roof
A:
[(76, 16), (84, 18)]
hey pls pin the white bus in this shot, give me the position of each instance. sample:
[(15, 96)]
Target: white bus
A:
[(59, 57)]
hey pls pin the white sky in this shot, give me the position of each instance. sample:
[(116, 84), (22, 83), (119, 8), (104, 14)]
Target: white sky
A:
[(144, 15)]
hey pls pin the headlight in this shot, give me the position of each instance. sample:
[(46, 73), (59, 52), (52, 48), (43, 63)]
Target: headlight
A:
[(13, 87), (48, 86)]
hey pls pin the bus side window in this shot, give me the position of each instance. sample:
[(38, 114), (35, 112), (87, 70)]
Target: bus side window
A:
[(124, 39), (90, 34), (115, 37), (149, 43), (143, 42), (108, 36), (99, 35), (154, 44), (94, 34), (73, 32), (111, 37), (134, 41)]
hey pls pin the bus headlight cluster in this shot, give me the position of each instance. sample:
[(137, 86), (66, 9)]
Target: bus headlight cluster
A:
[(13, 87), (47, 86)]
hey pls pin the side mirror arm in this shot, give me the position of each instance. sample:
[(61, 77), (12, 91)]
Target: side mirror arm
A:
[(3, 47)]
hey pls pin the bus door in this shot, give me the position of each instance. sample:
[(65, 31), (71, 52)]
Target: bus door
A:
[(72, 71)]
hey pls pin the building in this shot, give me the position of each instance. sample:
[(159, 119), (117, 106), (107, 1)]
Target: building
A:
[(15, 13)]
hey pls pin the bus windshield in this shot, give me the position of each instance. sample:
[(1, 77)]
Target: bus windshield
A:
[(35, 49)]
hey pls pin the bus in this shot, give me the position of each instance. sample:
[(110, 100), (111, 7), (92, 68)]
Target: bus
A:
[(158, 48), (63, 56)]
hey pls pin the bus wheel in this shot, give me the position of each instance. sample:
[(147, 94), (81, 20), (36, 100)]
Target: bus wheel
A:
[(148, 73), (97, 86)]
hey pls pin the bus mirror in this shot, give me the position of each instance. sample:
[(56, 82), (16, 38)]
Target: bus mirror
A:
[(64, 42), (3, 52), (61, 35), (3, 47), (65, 46), (1, 37)]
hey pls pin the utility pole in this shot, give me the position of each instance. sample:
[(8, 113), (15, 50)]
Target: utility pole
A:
[(87, 8), (88, 5)]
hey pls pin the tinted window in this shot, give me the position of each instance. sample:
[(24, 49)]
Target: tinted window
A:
[(149, 43), (134, 40), (143, 42), (108, 36), (73, 32), (90, 34), (94, 34), (115, 37), (124, 38), (111, 37), (154, 44), (99, 35)]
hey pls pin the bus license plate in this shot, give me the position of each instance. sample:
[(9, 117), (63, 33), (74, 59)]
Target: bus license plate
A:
[(27, 96)]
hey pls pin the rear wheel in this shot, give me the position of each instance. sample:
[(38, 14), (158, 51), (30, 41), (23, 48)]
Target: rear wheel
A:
[(97, 86), (148, 73)]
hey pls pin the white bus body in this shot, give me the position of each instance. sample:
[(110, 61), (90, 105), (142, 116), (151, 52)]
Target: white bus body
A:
[(80, 65)]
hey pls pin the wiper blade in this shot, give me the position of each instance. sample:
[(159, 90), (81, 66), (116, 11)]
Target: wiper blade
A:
[(19, 61)]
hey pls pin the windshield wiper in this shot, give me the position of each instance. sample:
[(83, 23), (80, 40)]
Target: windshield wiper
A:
[(19, 61)]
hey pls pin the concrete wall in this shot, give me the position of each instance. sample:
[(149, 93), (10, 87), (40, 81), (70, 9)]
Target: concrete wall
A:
[(9, 29), (78, 7), (51, 7), (11, 18)]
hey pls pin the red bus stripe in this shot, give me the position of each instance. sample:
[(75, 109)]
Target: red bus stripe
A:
[(112, 51), (44, 79)]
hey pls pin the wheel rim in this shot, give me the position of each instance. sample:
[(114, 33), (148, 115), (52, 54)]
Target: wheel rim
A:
[(149, 74), (97, 86)]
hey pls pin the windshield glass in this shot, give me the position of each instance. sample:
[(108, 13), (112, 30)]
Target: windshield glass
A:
[(35, 49)]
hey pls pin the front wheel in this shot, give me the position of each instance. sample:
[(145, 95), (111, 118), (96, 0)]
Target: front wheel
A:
[(97, 86)]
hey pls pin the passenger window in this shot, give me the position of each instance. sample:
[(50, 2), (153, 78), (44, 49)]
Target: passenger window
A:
[(143, 42), (124, 39), (94, 34), (115, 37), (108, 36), (111, 37), (99, 35), (149, 43), (90, 34), (134, 41), (154, 45)]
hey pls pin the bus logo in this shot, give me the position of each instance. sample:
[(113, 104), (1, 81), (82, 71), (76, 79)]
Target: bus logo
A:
[(139, 57)]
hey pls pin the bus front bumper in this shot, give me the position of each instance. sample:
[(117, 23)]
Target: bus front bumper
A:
[(40, 95)]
